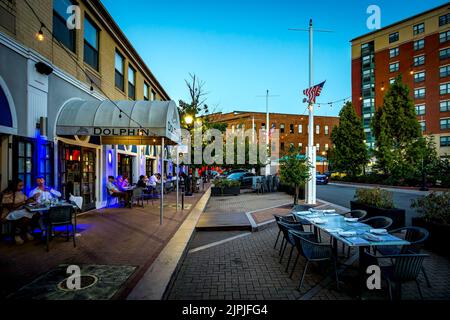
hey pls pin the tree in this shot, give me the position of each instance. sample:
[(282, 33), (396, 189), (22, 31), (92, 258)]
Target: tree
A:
[(398, 137), (294, 171), (349, 152)]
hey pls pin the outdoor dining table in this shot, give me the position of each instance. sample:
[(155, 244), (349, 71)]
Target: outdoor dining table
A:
[(351, 233)]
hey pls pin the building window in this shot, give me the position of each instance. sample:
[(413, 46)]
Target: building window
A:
[(25, 163), (152, 95), (393, 67), (131, 83), (291, 128), (45, 162), (326, 147), (393, 37), (146, 91), (420, 109), (393, 52), (282, 128), (300, 147), (118, 74), (419, 76), (91, 43), (445, 124), (419, 44), (445, 141), (444, 88), (444, 71), (419, 28), (419, 93), (317, 129), (444, 106), (423, 126), (444, 36), (60, 31), (444, 53), (282, 146), (326, 129), (300, 128), (391, 80), (419, 60), (318, 147), (367, 61), (443, 20), (367, 75)]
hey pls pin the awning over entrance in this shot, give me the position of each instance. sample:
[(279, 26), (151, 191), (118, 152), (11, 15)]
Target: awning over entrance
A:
[(150, 121)]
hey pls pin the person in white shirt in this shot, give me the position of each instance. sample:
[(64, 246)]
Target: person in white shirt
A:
[(42, 192), (153, 180)]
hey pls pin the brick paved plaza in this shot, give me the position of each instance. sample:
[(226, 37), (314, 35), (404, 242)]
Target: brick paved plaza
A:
[(248, 268)]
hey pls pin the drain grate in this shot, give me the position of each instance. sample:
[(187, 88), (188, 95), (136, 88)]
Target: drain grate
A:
[(86, 281)]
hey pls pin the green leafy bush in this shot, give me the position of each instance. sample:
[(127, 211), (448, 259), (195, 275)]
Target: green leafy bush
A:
[(376, 197), (226, 183), (434, 207)]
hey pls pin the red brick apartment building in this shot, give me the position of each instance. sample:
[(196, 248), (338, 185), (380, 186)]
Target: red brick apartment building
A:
[(418, 48), (293, 128)]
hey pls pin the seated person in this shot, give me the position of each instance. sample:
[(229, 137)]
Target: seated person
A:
[(141, 183), (13, 211), (114, 191), (153, 180), (45, 193), (126, 181)]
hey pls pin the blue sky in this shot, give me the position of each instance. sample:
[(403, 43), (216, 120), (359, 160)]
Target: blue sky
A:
[(240, 48)]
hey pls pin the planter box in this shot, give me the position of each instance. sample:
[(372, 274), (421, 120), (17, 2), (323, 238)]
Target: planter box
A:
[(439, 235), (233, 191), (398, 216)]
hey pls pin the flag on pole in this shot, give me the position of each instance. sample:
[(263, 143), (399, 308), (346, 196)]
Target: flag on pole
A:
[(313, 92), (272, 130)]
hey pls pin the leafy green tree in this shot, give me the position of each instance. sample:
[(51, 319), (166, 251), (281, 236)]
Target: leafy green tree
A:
[(398, 137), (349, 151), (294, 171)]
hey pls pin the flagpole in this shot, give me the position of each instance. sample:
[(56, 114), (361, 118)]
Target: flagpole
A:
[(311, 184), (267, 131)]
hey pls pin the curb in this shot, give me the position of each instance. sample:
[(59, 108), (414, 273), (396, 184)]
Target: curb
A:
[(156, 279)]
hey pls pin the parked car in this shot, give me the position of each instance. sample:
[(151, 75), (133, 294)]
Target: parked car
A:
[(245, 178), (321, 178)]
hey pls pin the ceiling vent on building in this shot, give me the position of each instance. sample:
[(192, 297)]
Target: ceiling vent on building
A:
[(43, 68)]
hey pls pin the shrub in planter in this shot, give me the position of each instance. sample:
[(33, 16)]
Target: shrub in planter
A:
[(225, 187), (434, 210), (378, 202)]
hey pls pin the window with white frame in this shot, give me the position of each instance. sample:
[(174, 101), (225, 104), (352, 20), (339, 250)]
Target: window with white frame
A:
[(419, 28), (444, 124), (445, 141), (420, 109), (394, 52), (326, 129), (444, 106), (318, 147), (317, 129), (443, 20), (300, 128), (146, 91), (419, 44), (326, 146), (419, 76), (423, 126), (419, 93), (393, 67), (444, 53), (444, 36), (419, 60), (391, 80), (393, 37), (444, 88), (444, 71)]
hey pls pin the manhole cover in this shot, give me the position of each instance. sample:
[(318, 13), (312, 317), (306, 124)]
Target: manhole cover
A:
[(86, 281)]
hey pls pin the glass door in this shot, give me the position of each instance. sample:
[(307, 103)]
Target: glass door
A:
[(125, 166), (88, 178), (70, 172)]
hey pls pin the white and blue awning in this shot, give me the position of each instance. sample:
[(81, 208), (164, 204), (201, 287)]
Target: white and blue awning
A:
[(135, 123)]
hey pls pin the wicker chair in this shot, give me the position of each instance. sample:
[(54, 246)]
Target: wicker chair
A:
[(287, 239), (60, 216), (378, 222)]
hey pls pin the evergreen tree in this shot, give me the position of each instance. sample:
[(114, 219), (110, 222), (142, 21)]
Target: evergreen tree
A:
[(398, 137), (349, 151)]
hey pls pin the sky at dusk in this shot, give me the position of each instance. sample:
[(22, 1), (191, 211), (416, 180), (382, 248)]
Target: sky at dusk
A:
[(242, 48)]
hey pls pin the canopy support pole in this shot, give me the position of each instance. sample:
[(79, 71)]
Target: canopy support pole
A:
[(161, 209), (177, 175)]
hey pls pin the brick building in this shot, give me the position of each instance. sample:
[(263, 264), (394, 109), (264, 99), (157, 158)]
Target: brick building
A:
[(44, 65), (418, 48), (293, 129)]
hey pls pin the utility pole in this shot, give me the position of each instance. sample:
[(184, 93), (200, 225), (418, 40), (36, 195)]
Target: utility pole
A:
[(310, 197)]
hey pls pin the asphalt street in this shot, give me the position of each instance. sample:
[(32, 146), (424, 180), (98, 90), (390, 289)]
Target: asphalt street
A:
[(342, 195)]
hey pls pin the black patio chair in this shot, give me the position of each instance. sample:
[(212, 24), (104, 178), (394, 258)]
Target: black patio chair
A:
[(378, 222), (147, 194), (288, 219), (404, 268), (287, 239), (416, 236), (137, 196), (315, 252), (295, 235), (60, 216), (360, 214)]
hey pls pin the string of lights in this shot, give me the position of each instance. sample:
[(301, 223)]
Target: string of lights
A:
[(41, 37)]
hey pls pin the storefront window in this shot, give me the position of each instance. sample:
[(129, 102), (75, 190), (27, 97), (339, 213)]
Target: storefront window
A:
[(25, 163)]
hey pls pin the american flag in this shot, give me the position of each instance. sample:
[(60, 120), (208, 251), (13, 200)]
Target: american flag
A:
[(313, 92), (272, 130)]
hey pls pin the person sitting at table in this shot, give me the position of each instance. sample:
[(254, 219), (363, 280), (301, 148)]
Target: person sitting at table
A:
[(46, 193), (13, 204), (141, 183), (126, 180), (114, 190)]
